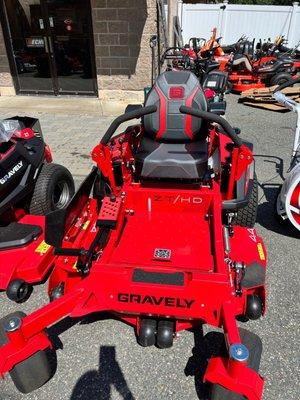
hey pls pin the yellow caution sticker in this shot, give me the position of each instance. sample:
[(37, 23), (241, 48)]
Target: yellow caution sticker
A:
[(85, 225), (42, 248), (261, 252)]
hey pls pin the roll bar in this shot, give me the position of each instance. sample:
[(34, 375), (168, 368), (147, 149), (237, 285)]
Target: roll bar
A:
[(126, 117), (208, 116), (211, 117)]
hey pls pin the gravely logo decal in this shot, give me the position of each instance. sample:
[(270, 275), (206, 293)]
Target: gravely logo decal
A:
[(155, 301), (11, 173)]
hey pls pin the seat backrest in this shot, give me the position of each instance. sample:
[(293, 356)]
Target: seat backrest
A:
[(245, 47), (171, 90)]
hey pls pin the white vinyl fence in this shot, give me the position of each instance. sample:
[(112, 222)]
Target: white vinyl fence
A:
[(233, 20)]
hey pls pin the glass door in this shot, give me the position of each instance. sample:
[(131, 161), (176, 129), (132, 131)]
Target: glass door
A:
[(52, 46), (30, 46), (71, 36)]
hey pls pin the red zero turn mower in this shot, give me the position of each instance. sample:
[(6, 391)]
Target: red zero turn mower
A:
[(181, 187), (246, 74), (30, 186)]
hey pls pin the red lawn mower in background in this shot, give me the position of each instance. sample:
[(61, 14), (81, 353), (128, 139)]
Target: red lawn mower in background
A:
[(246, 73), (214, 82), (162, 237), (30, 187), (248, 69)]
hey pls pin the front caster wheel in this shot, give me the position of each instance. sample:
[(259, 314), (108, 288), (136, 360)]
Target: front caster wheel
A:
[(19, 291), (34, 372)]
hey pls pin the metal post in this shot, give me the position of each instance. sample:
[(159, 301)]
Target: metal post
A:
[(172, 13), (223, 22), (293, 28), (180, 11)]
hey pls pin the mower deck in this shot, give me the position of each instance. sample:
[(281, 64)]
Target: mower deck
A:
[(31, 261)]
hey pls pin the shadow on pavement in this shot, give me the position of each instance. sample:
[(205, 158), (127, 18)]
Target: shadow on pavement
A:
[(57, 329), (97, 384), (277, 161), (205, 347)]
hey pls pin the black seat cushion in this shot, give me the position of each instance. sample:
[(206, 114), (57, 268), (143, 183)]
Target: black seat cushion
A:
[(181, 161), (16, 235)]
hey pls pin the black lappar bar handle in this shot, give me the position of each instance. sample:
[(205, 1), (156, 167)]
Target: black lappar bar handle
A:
[(208, 116), (126, 117)]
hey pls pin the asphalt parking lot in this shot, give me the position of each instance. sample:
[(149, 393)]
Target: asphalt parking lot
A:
[(101, 360)]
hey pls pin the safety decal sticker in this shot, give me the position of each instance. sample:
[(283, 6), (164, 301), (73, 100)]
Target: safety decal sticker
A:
[(42, 248), (85, 225), (261, 252)]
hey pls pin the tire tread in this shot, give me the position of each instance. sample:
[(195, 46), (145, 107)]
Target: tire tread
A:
[(39, 204), (246, 217)]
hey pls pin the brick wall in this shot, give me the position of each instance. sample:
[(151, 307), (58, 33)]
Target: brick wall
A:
[(122, 30)]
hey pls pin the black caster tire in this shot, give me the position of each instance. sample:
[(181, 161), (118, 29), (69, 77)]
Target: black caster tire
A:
[(34, 372), (165, 334), (254, 308), (147, 333), (280, 78), (53, 190), (254, 345), (19, 291)]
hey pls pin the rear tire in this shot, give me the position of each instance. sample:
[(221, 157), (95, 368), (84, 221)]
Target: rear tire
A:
[(53, 190), (254, 345), (280, 78), (34, 372), (247, 216)]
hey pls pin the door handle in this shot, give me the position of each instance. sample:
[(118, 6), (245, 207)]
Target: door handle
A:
[(46, 44), (50, 45)]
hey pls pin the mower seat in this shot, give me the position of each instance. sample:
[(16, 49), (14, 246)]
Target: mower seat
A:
[(174, 146), (243, 60)]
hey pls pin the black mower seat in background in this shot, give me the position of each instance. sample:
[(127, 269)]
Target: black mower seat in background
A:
[(174, 145), (17, 235)]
